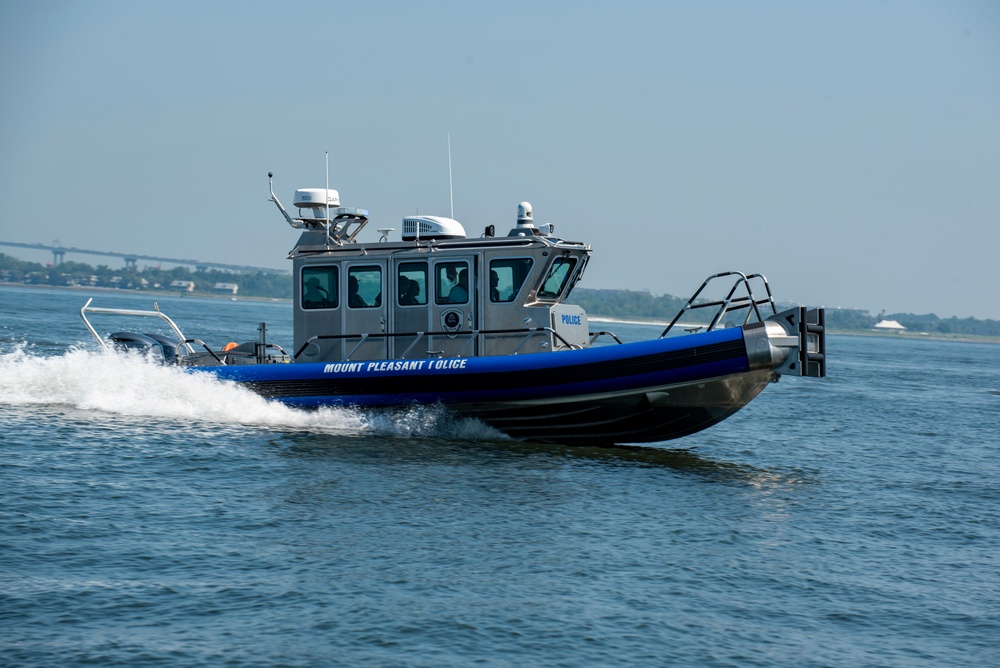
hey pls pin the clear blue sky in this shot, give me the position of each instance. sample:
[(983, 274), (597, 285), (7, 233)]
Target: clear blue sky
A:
[(848, 150)]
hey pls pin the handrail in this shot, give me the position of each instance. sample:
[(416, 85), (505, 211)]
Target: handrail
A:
[(528, 332), (731, 302), (596, 335), (521, 344), (87, 308), (260, 355), (205, 346)]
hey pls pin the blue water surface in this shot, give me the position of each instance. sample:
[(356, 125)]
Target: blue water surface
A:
[(151, 519)]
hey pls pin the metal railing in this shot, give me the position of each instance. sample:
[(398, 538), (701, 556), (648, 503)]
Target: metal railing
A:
[(594, 336), (156, 313), (731, 302), (260, 355), (472, 335)]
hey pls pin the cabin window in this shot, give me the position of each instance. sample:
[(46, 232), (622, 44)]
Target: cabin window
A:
[(557, 277), (364, 287), (452, 282), (319, 287), (412, 284), (507, 277)]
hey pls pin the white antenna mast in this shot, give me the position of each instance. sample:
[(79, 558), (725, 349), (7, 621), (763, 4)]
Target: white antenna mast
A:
[(451, 190), (327, 200)]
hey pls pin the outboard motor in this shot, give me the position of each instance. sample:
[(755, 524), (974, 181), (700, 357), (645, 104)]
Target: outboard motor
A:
[(162, 348)]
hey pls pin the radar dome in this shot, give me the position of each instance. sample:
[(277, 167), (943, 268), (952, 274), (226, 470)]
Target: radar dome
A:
[(315, 201), (524, 213)]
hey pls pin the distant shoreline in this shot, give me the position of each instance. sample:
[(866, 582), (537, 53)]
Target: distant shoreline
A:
[(150, 293), (915, 336)]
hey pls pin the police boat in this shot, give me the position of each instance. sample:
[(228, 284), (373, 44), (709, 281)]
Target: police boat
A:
[(482, 327)]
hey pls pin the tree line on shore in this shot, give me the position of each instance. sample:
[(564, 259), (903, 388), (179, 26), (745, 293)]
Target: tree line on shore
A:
[(152, 279), (597, 302), (641, 304)]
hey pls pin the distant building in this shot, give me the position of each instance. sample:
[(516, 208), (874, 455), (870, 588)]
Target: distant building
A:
[(187, 286), (227, 288), (890, 325)]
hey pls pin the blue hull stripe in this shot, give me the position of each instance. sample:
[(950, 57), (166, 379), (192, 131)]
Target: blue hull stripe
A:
[(617, 368)]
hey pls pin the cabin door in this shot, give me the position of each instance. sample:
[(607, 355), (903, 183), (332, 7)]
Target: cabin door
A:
[(365, 312), (453, 300), (410, 310)]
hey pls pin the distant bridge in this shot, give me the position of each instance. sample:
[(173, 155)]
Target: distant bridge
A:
[(59, 253)]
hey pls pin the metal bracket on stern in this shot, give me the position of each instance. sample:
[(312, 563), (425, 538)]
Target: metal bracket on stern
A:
[(809, 327)]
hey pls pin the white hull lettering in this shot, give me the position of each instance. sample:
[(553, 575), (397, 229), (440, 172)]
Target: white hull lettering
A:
[(449, 364), (343, 367), (396, 365)]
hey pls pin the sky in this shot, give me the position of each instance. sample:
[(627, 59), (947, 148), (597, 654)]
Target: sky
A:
[(849, 151)]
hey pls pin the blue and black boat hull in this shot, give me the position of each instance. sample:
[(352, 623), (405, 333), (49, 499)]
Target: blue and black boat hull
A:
[(636, 392)]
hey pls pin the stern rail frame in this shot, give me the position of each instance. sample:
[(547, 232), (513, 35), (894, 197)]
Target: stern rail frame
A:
[(156, 313)]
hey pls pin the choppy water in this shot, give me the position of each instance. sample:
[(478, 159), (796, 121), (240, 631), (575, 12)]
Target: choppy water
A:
[(154, 518)]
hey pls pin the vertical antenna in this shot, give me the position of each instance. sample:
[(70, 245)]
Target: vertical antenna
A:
[(327, 201), (451, 190)]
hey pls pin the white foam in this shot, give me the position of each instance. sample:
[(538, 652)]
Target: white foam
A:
[(132, 385)]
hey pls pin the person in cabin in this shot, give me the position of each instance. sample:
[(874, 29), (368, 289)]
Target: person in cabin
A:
[(494, 282), (314, 296), (353, 298), (460, 293), (408, 292), (404, 283)]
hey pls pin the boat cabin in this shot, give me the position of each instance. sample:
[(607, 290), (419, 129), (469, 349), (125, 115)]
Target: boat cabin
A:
[(434, 293)]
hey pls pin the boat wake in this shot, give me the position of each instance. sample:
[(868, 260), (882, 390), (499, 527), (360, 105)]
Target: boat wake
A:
[(134, 386)]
